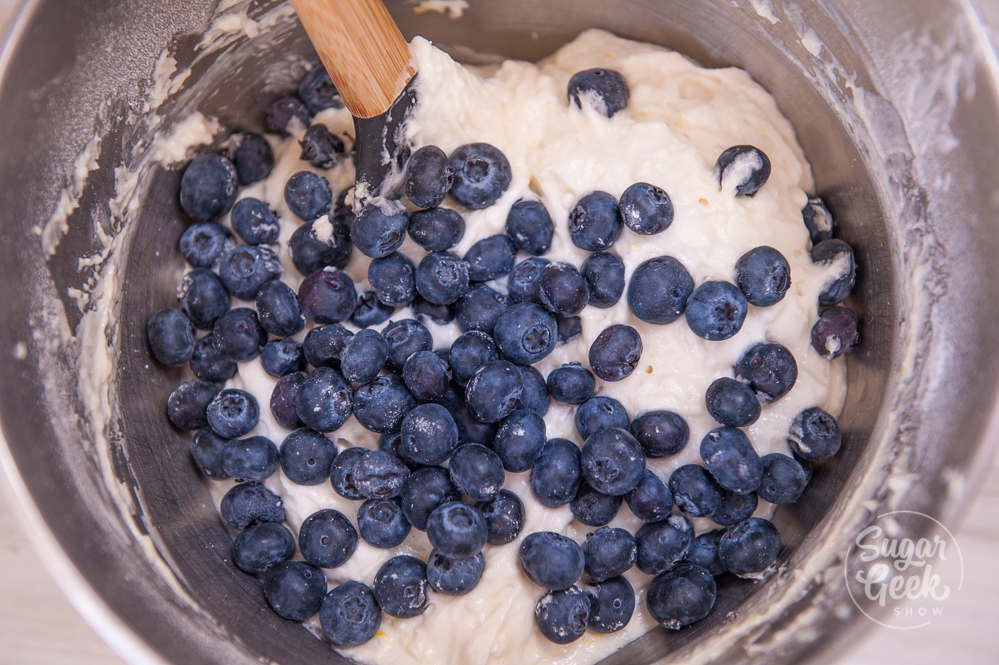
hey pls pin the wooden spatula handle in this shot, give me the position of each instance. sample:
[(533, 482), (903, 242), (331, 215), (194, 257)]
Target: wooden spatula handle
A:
[(362, 49)]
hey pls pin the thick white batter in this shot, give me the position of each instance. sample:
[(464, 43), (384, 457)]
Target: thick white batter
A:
[(679, 119)]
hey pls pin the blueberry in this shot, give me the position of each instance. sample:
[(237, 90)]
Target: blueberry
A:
[(206, 450), (244, 269), (594, 508), (662, 545), (519, 440), (615, 352), (818, 220), (729, 456), (525, 333), (318, 92), (661, 433), (763, 275), (436, 229), (423, 491), (750, 547), (405, 337), (278, 309), (255, 222), (504, 516), (704, 552), (364, 356), (562, 290), (470, 352), (481, 175), (283, 112), (603, 90), (479, 308), (769, 369), (370, 311), (283, 399), (681, 596), (613, 461), (556, 474), (428, 177), (401, 587), (595, 222), (308, 195), (392, 278), (379, 475), (530, 227), (454, 575), (439, 314), (320, 147), (716, 310), (651, 500), (294, 590), (522, 282), (238, 334), (562, 615), (695, 492), (734, 508), (609, 552), (456, 529), (252, 458), (327, 538), (743, 168), (492, 392), (612, 604), (599, 413), (282, 356), (171, 337), (382, 523), (659, 290), (442, 278), (327, 296), (569, 327), (571, 383), (604, 275), (490, 258), (203, 244), (203, 297), (232, 413), (350, 615), (248, 503), (306, 457), (814, 435), (835, 333), (323, 401), (377, 233), (429, 434), (208, 187), (646, 209), (732, 402), (469, 428), (320, 243), (426, 375), (253, 159), (476, 471), (342, 472), (324, 344), (551, 560), (834, 251), (534, 398), (187, 403), (209, 363), (784, 479), (262, 546)]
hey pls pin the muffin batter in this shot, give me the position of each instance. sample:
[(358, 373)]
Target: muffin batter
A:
[(679, 118)]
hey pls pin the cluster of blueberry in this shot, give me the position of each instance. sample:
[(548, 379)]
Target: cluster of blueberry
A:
[(434, 409)]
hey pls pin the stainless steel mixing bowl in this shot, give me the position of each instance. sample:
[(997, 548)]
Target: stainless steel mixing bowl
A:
[(894, 102)]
